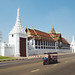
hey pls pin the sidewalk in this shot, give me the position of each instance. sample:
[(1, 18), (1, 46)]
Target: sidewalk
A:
[(34, 56), (39, 56)]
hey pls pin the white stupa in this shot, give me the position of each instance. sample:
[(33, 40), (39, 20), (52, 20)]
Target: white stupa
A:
[(16, 34), (73, 45)]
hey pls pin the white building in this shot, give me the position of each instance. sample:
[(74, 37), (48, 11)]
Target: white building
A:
[(40, 42), (24, 42), (17, 41), (72, 45)]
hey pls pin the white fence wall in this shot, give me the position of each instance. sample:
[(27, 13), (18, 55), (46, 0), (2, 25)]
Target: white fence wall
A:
[(64, 51), (9, 51), (6, 50), (35, 52)]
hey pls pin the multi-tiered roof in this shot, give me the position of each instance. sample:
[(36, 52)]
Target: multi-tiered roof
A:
[(40, 35)]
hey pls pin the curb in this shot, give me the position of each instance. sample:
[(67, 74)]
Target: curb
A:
[(12, 60), (36, 56)]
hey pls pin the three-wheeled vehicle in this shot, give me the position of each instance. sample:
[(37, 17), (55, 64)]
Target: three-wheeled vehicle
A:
[(49, 58)]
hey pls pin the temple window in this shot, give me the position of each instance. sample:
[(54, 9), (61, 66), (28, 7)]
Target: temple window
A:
[(36, 47), (12, 35), (54, 43), (38, 42), (41, 47), (48, 43), (51, 44), (44, 47)]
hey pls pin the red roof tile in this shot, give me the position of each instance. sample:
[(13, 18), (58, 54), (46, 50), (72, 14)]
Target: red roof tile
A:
[(57, 35), (64, 41), (45, 36), (40, 34)]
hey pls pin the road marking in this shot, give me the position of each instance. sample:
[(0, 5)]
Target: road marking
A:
[(35, 70)]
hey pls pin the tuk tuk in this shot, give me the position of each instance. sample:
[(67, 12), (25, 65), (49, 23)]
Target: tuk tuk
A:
[(50, 58)]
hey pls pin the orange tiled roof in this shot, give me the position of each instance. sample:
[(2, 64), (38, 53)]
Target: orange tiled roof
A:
[(40, 35), (65, 41), (55, 37), (36, 34)]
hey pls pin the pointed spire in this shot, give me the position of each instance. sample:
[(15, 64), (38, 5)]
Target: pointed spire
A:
[(32, 27), (18, 20), (18, 27), (18, 12), (73, 39), (53, 30)]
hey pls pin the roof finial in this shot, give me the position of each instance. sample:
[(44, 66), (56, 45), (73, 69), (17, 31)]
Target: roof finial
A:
[(53, 30), (18, 20), (18, 12), (73, 39), (32, 27)]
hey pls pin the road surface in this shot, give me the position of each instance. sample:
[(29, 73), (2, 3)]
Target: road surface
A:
[(66, 66)]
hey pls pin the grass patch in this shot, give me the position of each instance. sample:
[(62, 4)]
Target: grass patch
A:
[(2, 57), (6, 58)]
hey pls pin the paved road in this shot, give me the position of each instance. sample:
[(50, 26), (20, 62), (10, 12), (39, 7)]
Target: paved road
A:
[(66, 66)]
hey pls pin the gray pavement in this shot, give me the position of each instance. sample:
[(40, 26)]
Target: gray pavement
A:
[(64, 67)]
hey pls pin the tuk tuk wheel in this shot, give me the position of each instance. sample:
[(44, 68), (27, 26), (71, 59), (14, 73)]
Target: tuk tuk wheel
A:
[(44, 63), (56, 61)]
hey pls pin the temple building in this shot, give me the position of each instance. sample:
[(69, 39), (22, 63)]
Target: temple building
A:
[(72, 45), (17, 45), (39, 40), (26, 42)]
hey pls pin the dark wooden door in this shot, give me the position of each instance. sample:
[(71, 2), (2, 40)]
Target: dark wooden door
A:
[(23, 47)]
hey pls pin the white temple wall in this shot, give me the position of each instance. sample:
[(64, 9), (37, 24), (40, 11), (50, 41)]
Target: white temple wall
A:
[(17, 46), (7, 50), (64, 51), (31, 44), (12, 39), (15, 40), (42, 51)]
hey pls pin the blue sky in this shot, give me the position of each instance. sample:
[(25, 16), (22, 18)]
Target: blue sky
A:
[(41, 14)]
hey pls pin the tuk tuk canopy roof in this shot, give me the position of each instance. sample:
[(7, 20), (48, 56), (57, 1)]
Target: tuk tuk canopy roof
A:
[(52, 53)]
